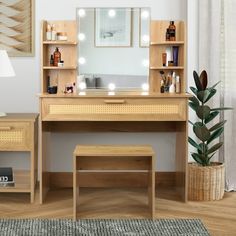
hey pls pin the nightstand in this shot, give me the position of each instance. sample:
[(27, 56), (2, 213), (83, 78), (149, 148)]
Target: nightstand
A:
[(19, 132)]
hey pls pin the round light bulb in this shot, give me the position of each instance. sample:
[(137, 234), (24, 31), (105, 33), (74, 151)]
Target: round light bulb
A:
[(111, 13), (145, 14), (82, 61), (145, 38), (145, 63), (145, 87), (81, 36), (111, 86), (82, 85), (82, 13)]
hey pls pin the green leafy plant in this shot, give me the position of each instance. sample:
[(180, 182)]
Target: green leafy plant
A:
[(205, 134)]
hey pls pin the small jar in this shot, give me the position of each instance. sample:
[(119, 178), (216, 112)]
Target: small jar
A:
[(62, 36), (170, 63), (60, 64)]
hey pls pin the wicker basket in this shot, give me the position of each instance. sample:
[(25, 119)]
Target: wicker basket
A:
[(206, 183)]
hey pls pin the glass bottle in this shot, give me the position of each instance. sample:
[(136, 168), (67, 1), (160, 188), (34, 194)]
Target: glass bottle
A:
[(49, 33), (172, 32), (51, 60), (54, 33), (162, 89), (56, 56), (177, 84)]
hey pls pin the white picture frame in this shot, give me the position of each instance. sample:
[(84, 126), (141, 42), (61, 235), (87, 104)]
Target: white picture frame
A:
[(113, 27)]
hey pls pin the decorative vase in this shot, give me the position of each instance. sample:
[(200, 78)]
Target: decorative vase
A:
[(206, 183)]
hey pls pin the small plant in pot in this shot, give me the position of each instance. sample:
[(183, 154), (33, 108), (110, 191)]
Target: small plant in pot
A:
[(206, 179)]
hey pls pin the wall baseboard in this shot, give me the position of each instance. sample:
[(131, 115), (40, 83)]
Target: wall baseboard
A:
[(111, 179)]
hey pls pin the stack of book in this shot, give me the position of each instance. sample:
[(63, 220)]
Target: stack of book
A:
[(6, 177)]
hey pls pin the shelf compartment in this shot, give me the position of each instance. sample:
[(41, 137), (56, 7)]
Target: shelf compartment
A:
[(158, 31), (156, 57), (155, 79), (59, 78), (61, 26), (22, 183)]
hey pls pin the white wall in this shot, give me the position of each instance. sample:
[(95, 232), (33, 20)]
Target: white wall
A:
[(19, 94)]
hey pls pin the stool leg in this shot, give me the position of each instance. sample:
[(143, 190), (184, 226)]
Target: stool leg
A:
[(75, 189), (151, 188)]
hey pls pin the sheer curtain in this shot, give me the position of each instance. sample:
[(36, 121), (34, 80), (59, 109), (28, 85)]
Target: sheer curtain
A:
[(217, 54)]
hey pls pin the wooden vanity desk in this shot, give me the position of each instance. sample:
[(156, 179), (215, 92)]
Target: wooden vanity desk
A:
[(122, 112)]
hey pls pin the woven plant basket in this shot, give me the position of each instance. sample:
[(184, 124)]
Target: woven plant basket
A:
[(206, 183)]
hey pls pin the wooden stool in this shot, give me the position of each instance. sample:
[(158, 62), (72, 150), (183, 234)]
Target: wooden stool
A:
[(110, 157)]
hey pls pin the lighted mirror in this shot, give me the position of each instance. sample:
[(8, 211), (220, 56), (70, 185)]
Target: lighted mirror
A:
[(113, 48)]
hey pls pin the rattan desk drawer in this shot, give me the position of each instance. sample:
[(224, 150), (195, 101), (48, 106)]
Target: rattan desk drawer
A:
[(117, 109)]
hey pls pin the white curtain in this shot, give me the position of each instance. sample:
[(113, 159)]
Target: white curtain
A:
[(217, 54)]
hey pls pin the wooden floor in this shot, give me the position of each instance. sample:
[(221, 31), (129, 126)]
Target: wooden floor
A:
[(219, 217)]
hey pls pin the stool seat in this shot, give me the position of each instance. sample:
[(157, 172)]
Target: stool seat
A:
[(114, 157)]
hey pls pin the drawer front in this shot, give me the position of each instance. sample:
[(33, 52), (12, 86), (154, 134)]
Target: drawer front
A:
[(97, 109), (15, 136)]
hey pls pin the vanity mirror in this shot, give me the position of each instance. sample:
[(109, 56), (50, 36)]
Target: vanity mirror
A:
[(113, 48)]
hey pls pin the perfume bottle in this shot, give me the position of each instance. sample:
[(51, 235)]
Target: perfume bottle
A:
[(172, 29), (56, 56)]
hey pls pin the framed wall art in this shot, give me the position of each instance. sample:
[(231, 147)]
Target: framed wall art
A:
[(17, 27), (113, 27)]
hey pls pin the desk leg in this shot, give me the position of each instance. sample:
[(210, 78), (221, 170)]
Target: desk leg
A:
[(32, 176), (44, 139), (151, 187), (75, 188), (182, 159)]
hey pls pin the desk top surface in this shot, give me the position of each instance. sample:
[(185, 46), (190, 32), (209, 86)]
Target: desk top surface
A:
[(19, 117), (118, 94)]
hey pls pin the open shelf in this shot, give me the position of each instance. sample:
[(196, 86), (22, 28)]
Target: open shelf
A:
[(166, 67), (60, 42), (60, 68), (22, 183), (172, 43)]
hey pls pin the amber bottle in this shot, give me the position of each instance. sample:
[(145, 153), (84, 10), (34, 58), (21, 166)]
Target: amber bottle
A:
[(172, 30), (56, 56)]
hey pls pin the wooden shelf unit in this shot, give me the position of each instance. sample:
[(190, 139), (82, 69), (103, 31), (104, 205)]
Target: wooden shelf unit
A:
[(59, 76), (19, 132), (159, 45)]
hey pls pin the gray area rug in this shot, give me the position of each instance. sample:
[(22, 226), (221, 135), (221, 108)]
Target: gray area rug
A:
[(129, 227)]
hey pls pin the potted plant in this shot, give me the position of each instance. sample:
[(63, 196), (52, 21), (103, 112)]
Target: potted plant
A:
[(206, 179)]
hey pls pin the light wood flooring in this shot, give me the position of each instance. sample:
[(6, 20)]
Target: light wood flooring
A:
[(219, 217)]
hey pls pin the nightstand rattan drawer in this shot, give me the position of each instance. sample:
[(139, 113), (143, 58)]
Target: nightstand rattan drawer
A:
[(15, 136)]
